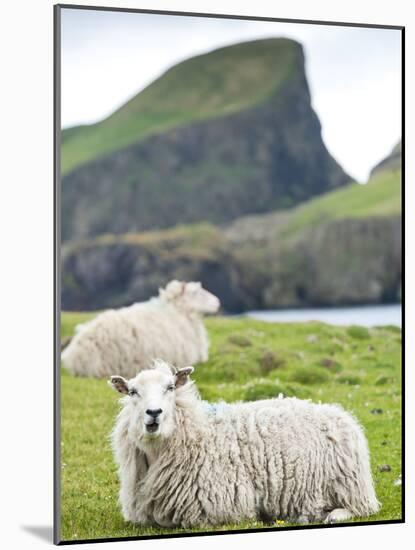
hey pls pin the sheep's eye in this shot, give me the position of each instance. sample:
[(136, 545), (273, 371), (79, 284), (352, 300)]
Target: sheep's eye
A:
[(132, 392), (170, 387)]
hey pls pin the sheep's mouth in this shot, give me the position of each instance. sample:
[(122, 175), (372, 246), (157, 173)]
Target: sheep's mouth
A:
[(152, 428)]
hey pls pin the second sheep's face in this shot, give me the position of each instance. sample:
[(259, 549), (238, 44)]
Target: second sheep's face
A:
[(191, 296), (150, 398), (199, 299)]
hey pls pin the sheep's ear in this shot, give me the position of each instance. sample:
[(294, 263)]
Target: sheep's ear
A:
[(119, 383), (173, 290), (182, 376)]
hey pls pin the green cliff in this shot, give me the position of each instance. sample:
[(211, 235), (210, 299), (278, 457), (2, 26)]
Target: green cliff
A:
[(216, 137)]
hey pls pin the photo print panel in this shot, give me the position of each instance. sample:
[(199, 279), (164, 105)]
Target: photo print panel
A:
[(228, 292)]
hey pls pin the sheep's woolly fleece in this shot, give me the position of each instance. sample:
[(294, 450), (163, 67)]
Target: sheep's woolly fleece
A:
[(127, 340), (280, 458)]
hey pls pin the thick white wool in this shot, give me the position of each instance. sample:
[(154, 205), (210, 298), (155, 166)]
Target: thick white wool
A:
[(127, 340), (278, 458)]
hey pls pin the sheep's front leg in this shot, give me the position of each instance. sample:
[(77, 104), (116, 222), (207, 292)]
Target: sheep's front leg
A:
[(132, 468)]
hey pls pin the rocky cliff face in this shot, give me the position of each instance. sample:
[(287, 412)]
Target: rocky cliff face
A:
[(343, 262), (264, 157), (342, 248), (116, 271), (353, 261)]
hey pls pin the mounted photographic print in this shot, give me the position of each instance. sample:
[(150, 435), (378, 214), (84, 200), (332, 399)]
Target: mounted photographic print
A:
[(228, 274)]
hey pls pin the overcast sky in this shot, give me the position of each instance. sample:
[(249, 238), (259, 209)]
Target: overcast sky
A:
[(353, 73)]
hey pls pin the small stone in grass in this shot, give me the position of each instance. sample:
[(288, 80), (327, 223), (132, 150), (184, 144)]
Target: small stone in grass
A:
[(377, 411), (270, 361), (239, 340), (398, 481), (328, 363), (312, 339), (384, 468)]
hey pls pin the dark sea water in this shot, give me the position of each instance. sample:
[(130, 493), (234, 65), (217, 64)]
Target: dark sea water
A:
[(367, 316)]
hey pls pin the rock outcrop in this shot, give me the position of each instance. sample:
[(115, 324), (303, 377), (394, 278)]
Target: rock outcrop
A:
[(262, 156)]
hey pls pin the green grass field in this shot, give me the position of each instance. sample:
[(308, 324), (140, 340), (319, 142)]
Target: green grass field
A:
[(249, 360)]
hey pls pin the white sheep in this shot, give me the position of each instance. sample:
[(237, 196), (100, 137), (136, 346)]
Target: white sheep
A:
[(127, 340), (183, 462)]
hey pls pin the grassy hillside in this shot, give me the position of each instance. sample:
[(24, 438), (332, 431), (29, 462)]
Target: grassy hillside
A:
[(222, 82), (381, 196), (249, 360)]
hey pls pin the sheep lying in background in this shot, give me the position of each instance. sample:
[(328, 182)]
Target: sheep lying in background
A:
[(128, 339), (183, 462)]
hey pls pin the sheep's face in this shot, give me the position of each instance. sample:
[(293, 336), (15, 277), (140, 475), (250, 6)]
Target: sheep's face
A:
[(199, 299), (192, 296), (151, 399)]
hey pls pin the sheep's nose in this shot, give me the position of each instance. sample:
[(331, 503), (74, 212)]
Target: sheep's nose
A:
[(153, 412)]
